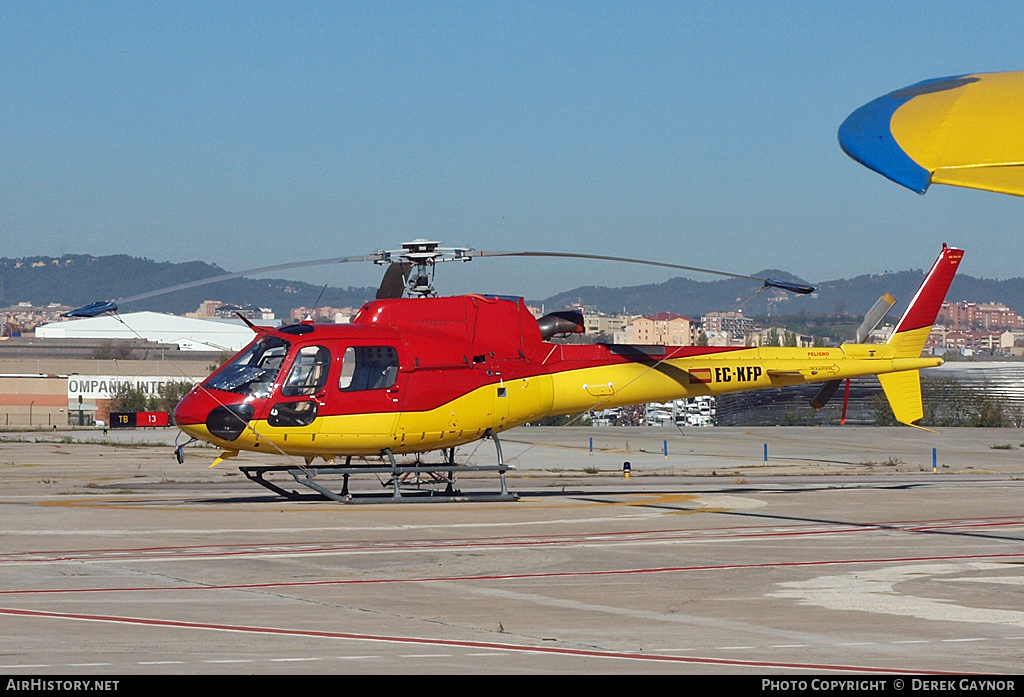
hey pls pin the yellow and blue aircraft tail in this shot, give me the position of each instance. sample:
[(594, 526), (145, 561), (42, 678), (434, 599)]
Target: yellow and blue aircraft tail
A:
[(966, 130), (903, 389)]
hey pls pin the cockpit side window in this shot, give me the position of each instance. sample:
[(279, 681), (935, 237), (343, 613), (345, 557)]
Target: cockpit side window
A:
[(368, 368), (308, 374)]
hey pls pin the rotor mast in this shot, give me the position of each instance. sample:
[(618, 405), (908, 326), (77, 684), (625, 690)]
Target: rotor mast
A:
[(421, 255)]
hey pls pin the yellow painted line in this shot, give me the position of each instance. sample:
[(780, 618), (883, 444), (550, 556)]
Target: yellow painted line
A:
[(636, 499)]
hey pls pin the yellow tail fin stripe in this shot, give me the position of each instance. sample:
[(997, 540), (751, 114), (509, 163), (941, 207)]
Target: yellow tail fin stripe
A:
[(910, 344)]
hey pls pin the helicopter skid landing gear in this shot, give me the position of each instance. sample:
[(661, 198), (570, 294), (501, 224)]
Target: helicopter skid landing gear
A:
[(414, 483)]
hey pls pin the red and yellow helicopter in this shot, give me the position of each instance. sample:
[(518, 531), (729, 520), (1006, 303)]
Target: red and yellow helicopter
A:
[(417, 374), (411, 375)]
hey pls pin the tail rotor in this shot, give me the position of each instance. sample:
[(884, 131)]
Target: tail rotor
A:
[(872, 319)]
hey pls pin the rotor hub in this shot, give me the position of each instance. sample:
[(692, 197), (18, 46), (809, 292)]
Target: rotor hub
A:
[(421, 255)]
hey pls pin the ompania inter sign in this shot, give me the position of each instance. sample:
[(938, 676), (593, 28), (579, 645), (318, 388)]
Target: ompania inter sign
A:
[(107, 386)]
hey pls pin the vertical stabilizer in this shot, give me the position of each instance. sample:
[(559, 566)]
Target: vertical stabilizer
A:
[(903, 389), (912, 331)]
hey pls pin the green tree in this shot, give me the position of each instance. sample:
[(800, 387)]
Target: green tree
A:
[(1016, 416), (129, 398), (882, 411), (221, 360), (948, 402), (990, 413), (171, 394)]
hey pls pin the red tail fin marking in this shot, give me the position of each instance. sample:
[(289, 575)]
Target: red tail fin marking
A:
[(924, 308)]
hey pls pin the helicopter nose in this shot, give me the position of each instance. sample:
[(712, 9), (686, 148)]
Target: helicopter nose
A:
[(201, 415), (193, 408)]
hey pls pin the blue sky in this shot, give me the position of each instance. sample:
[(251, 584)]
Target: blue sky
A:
[(254, 133)]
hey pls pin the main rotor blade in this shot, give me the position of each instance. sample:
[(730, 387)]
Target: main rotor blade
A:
[(768, 282), (110, 306), (100, 307), (248, 272)]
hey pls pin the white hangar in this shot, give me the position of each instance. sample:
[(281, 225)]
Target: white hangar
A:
[(188, 333)]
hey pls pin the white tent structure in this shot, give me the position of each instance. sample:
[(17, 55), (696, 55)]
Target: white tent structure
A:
[(188, 333)]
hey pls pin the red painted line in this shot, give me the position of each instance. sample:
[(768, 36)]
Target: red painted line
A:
[(167, 554), (286, 547), (516, 577), (404, 544), (173, 552), (424, 641), (955, 525)]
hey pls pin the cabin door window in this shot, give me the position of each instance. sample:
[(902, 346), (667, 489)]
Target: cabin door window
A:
[(368, 368)]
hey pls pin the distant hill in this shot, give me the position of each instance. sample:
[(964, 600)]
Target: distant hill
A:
[(80, 279)]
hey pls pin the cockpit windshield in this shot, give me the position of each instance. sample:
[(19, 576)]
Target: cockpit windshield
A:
[(254, 370)]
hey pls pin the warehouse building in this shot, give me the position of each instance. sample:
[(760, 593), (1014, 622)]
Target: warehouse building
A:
[(187, 333)]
